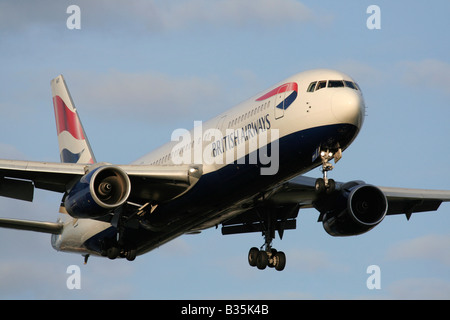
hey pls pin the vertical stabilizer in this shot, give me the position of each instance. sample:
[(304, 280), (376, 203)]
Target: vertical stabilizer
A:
[(74, 146)]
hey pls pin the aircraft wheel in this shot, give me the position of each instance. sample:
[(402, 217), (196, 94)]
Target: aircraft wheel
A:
[(280, 261), (320, 185), (262, 260), (273, 252), (331, 186), (253, 256), (131, 254), (112, 252)]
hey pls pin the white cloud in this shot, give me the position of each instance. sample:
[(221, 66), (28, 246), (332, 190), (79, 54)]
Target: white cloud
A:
[(20, 15), (177, 248), (152, 95), (419, 288), (232, 13), (30, 279), (313, 261), (10, 152), (430, 247), (361, 72), (154, 15), (430, 73)]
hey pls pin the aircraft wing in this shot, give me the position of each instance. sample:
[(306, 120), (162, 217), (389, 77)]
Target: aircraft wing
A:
[(286, 199), (400, 200), (19, 178), (407, 201)]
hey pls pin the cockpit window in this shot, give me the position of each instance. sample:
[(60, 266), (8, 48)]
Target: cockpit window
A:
[(316, 85), (312, 86), (321, 84), (335, 84), (350, 84)]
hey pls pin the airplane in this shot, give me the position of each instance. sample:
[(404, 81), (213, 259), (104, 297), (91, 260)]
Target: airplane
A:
[(242, 170)]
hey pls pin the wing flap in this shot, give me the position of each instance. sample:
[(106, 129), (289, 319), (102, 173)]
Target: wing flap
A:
[(258, 219), (300, 190), (16, 189), (161, 183)]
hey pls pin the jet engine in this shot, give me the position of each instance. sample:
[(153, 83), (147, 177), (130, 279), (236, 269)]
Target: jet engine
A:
[(355, 209), (98, 193)]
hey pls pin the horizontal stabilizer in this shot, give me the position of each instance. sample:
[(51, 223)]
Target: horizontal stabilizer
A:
[(37, 226)]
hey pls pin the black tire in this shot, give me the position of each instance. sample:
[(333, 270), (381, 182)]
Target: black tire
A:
[(112, 253), (253, 256), (262, 260), (320, 185), (280, 259), (131, 254), (331, 186)]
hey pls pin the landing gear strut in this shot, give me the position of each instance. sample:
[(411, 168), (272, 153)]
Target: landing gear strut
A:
[(268, 257), (324, 184), (120, 245)]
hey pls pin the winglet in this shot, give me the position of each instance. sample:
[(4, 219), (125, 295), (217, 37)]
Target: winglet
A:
[(74, 146)]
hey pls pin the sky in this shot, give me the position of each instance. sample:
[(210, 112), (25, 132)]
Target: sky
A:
[(137, 70)]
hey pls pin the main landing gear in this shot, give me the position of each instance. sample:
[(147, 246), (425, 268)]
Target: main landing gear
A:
[(325, 185), (267, 257), (114, 252), (119, 246)]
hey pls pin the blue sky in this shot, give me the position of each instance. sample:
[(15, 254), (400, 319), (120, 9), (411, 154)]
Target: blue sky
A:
[(137, 70)]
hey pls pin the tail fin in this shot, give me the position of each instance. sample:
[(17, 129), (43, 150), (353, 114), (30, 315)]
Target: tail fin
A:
[(74, 146)]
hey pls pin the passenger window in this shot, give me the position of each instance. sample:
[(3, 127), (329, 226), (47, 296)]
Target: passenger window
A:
[(312, 86), (335, 84), (321, 84)]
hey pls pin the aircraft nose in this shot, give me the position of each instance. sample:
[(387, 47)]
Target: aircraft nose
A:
[(348, 107)]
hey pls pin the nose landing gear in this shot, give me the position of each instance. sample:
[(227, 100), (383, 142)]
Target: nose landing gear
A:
[(325, 185)]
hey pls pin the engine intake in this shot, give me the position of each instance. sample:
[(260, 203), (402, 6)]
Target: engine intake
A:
[(98, 193), (354, 210)]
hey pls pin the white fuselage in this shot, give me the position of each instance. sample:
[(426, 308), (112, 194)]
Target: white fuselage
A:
[(325, 106)]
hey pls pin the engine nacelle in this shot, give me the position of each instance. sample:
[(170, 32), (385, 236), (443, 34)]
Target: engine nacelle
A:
[(98, 193), (356, 209)]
